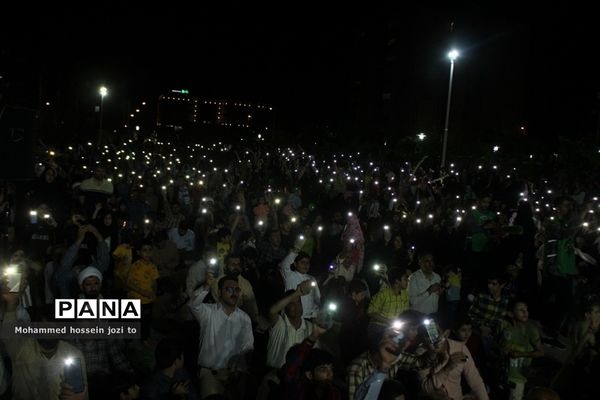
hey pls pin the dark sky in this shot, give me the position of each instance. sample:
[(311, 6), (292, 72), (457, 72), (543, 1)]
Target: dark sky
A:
[(367, 66)]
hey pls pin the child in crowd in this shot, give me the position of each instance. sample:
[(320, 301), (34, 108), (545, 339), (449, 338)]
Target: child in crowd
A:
[(520, 344), (141, 284)]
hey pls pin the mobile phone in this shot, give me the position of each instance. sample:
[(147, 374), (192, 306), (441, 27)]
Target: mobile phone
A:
[(13, 281), (74, 374), (33, 217), (432, 331), (214, 266), (325, 316)]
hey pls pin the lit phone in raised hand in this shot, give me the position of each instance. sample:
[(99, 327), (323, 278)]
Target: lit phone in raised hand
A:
[(13, 279), (74, 374)]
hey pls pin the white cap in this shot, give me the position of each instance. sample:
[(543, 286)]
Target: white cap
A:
[(87, 272)]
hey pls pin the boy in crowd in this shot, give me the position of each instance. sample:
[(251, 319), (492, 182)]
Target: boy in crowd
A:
[(520, 344), (489, 309), (141, 284)]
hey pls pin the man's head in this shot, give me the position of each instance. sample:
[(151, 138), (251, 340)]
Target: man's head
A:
[(398, 279), (183, 227), (426, 263), (145, 250), (358, 290), (275, 238), (169, 353), (318, 367), (484, 202), (233, 264), (294, 308), (565, 206), (229, 290), (462, 329), (518, 311), (302, 262), (99, 173), (50, 175), (592, 312), (495, 283), (90, 282)]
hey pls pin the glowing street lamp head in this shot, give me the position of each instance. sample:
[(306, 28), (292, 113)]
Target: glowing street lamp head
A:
[(421, 136), (103, 91), (453, 54)]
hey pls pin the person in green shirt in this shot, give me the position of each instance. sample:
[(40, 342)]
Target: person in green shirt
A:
[(520, 343)]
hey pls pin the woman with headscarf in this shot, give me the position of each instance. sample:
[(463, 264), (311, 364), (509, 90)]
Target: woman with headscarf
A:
[(353, 240)]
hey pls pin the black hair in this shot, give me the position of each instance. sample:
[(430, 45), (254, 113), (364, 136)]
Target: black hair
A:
[(391, 389), (497, 274), (395, 274), (513, 302), (315, 358), (167, 351), (224, 279), (301, 255), (357, 286)]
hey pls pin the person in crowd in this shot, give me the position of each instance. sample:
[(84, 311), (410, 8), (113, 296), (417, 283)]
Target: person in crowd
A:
[(425, 286), (287, 328), (141, 284), (521, 343), (294, 269), (270, 251), (246, 298), (185, 240), (226, 339), (389, 302), (95, 190), (66, 273), (454, 363), (576, 377), (103, 357), (38, 365), (559, 269), (489, 310), (170, 380), (353, 317), (308, 372)]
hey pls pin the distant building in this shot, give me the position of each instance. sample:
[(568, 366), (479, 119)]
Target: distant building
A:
[(178, 110)]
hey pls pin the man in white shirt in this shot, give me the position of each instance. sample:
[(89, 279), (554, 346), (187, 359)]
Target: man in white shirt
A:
[(294, 269), (424, 286), (226, 337), (287, 328), (38, 364), (183, 237)]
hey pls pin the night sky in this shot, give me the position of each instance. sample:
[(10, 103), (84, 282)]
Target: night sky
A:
[(352, 69)]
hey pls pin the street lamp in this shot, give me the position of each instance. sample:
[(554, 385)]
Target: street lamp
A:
[(421, 136), (452, 55), (103, 92)]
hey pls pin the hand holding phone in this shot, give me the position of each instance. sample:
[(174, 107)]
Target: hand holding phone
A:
[(432, 331), (73, 373), (13, 277)]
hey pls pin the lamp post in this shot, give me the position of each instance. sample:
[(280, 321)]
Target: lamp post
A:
[(103, 92), (452, 55)]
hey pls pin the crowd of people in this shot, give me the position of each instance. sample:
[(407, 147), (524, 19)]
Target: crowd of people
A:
[(271, 273)]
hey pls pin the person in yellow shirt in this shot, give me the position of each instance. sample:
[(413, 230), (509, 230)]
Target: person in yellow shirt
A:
[(122, 257), (388, 303), (141, 284)]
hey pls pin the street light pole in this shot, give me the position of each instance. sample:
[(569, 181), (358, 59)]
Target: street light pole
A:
[(452, 56), (103, 92)]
